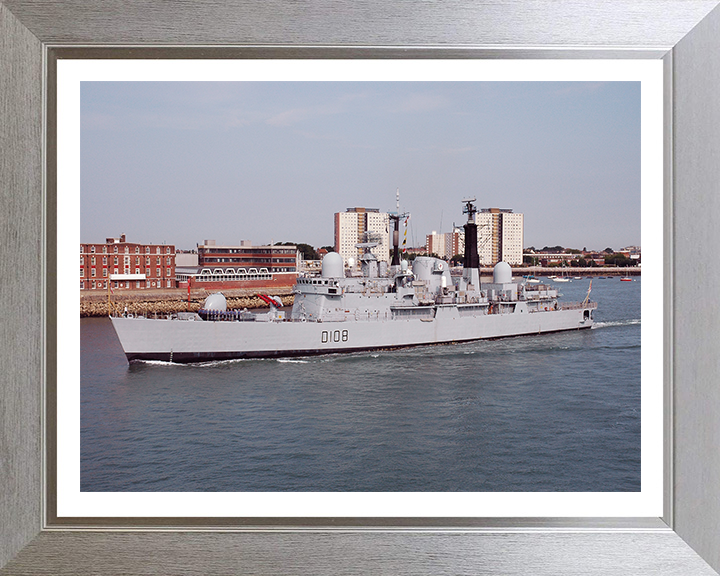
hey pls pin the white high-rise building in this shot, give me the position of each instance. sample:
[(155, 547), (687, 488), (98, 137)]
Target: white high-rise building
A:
[(445, 245), (358, 225), (435, 244), (500, 236)]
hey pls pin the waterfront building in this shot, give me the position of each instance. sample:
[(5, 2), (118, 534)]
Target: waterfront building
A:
[(185, 258), (414, 250), (541, 258), (572, 257), (500, 236), (358, 225), (445, 245), (632, 252), (127, 265), (244, 266), (435, 244)]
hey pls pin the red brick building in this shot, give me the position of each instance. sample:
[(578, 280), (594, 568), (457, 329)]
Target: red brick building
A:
[(244, 266), (128, 265)]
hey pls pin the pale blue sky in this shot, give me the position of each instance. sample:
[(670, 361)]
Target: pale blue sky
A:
[(180, 162)]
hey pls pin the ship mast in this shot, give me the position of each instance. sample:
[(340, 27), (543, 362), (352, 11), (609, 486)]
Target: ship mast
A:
[(471, 255), (396, 217), (471, 263)]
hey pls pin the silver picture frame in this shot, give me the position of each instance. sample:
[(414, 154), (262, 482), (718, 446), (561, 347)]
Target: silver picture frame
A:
[(685, 34)]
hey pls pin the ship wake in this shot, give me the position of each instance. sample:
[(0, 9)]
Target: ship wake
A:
[(612, 324)]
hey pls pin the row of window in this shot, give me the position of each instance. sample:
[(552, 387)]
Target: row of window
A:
[(148, 271), (168, 260), (98, 285), (232, 271), (316, 281), (168, 249), (248, 250), (232, 278), (248, 259)]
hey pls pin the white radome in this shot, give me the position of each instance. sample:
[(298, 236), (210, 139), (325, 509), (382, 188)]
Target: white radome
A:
[(332, 265), (502, 273)]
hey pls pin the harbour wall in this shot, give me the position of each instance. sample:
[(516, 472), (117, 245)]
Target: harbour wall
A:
[(146, 302)]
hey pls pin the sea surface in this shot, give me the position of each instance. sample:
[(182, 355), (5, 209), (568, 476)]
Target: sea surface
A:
[(556, 412)]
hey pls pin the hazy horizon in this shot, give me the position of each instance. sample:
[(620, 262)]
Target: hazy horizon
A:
[(182, 162)]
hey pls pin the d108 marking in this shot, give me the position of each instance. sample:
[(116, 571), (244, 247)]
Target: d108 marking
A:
[(333, 336)]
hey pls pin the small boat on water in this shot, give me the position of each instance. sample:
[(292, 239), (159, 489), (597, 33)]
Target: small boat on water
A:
[(563, 275), (626, 279)]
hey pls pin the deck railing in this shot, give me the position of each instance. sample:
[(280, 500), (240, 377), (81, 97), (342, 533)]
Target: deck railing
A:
[(577, 305)]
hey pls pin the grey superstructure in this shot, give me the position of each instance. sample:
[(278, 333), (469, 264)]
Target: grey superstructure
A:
[(386, 307)]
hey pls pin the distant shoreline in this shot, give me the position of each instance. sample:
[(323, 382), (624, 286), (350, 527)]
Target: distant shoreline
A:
[(571, 271)]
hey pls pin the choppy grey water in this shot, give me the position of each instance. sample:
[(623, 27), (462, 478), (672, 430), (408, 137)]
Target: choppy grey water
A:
[(558, 412)]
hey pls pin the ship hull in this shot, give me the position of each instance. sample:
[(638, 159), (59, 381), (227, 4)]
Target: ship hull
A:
[(198, 341)]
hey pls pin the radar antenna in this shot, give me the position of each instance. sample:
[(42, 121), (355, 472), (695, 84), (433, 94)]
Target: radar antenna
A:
[(372, 239), (368, 260), (471, 240), (469, 209)]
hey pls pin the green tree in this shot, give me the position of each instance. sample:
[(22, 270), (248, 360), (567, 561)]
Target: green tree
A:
[(617, 260), (307, 251)]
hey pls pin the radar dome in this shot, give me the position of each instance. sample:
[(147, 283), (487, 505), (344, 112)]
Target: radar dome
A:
[(502, 273), (215, 302), (332, 265)]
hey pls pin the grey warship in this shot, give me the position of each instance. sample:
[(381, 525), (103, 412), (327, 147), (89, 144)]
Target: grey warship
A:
[(386, 307)]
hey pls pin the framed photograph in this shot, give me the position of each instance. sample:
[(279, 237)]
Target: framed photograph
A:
[(490, 437), (673, 531)]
